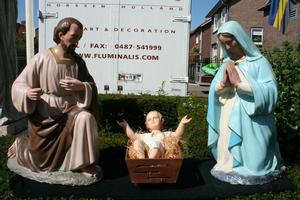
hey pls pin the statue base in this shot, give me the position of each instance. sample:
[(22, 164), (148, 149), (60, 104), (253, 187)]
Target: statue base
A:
[(56, 177), (13, 127)]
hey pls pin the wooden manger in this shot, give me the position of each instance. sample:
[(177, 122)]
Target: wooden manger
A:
[(148, 171)]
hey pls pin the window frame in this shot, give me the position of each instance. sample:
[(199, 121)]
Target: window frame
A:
[(214, 50), (293, 12), (216, 19), (261, 31), (224, 14)]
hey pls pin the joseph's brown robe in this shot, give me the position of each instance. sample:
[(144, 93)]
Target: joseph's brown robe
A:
[(62, 132)]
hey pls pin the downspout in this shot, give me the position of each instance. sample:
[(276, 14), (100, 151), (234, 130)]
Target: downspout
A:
[(29, 29)]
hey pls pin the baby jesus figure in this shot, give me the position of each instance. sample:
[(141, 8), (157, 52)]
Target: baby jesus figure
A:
[(150, 145)]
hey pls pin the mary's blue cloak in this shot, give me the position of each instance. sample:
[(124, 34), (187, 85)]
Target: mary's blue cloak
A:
[(253, 141)]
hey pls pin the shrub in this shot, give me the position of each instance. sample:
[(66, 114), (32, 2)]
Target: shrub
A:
[(134, 109), (286, 65), (195, 134)]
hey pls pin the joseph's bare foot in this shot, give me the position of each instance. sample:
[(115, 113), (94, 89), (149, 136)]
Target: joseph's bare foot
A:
[(89, 171), (12, 150)]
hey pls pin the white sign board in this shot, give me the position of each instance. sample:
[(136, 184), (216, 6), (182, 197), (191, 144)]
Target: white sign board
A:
[(140, 45)]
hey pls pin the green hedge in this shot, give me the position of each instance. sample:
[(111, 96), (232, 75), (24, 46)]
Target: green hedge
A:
[(195, 135), (5, 174), (285, 62), (134, 109)]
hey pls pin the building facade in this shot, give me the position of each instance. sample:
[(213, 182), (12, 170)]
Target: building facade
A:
[(253, 16), (200, 42)]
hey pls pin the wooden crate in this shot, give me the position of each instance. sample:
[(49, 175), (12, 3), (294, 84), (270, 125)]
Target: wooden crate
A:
[(153, 170)]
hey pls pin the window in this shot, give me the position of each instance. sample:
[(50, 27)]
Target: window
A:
[(293, 14), (224, 15), (221, 54), (293, 11), (197, 39), (216, 22), (257, 36), (200, 45), (214, 50)]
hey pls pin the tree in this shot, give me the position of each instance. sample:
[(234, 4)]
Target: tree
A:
[(8, 18)]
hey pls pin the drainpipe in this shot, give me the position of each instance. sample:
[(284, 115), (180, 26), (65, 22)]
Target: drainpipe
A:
[(29, 29)]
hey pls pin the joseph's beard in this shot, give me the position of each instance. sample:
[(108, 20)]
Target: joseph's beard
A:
[(69, 49)]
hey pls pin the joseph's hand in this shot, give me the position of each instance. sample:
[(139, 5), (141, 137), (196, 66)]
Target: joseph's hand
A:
[(71, 84), (34, 94)]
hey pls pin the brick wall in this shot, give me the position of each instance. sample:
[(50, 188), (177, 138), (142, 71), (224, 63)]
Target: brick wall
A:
[(192, 44), (246, 12), (206, 41)]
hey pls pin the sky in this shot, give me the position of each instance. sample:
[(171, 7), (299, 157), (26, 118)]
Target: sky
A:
[(200, 9)]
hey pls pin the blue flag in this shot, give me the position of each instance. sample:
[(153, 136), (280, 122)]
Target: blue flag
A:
[(278, 14)]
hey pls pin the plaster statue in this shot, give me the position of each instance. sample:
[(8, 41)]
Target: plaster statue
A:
[(242, 97), (59, 96), (150, 144)]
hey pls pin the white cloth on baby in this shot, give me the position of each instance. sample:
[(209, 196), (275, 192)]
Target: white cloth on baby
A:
[(153, 140)]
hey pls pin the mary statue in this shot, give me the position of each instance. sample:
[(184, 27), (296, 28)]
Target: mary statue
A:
[(242, 97)]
